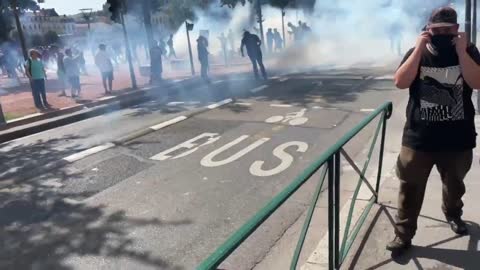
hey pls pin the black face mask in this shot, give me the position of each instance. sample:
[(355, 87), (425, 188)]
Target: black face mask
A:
[(444, 44)]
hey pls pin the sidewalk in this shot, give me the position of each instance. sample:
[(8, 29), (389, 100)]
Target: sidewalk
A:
[(17, 101), (435, 245)]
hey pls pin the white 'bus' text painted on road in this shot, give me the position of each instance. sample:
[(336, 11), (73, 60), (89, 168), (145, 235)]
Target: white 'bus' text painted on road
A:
[(279, 152), (207, 161), (256, 169), (212, 137)]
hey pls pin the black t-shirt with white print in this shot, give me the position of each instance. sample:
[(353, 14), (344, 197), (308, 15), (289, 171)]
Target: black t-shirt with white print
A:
[(440, 111)]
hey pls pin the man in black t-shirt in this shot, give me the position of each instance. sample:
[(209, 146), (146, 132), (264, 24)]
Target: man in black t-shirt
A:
[(440, 73)]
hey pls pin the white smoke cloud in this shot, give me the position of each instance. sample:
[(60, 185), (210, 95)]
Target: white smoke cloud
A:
[(344, 32)]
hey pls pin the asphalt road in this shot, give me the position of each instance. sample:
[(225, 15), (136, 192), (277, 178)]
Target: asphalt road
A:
[(166, 200)]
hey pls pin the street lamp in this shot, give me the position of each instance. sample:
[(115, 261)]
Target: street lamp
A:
[(283, 28), (14, 6), (189, 27), (87, 15), (260, 20), (468, 19), (474, 22)]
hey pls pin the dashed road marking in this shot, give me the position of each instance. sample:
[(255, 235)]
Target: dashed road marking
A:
[(168, 123), (386, 77), (221, 103), (317, 107), (243, 104), (283, 79), (281, 105), (88, 152), (106, 98), (367, 110), (175, 103), (258, 89)]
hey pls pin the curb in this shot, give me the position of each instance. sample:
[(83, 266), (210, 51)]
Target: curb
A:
[(81, 113), (139, 133), (28, 119)]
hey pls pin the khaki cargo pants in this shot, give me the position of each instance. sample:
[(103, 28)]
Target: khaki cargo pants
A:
[(413, 170)]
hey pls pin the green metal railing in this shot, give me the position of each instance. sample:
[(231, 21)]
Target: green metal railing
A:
[(331, 158)]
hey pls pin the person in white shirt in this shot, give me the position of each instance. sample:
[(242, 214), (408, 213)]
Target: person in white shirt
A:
[(104, 63), (72, 70)]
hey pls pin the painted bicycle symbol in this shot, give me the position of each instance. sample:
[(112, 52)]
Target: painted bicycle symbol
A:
[(293, 119)]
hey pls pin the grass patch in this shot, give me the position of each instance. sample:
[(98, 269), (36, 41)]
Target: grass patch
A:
[(11, 116)]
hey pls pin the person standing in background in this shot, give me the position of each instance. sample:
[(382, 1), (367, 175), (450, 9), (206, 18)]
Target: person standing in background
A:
[(278, 40), (223, 43), (35, 71), (270, 39), (156, 68), (202, 49), (171, 49), (104, 64), (231, 40), (72, 70), (61, 75)]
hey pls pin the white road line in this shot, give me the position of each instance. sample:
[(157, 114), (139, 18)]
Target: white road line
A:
[(284, 79), (243, 104), (218, 104), (88, 152), (72, 201), (106, 98), (318, 107), (281, 105), (180, 80), (386, 77), (217, 82), (168, 123), (258, 89), (367, 110), (175, 103)]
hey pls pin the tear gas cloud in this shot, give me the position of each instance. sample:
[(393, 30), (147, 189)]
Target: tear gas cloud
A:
[(344, 33)]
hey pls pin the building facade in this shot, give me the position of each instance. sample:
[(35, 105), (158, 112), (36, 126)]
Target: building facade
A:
[(45, 20)]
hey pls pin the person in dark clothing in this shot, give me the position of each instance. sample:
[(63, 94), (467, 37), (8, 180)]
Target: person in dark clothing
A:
[(440, 72), (278, 40), (202, 50), (253, 44), (156, 68), (171, 49), (270, 39)]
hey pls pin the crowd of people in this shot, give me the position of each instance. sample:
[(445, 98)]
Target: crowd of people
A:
[(299, 32), (70, 64)]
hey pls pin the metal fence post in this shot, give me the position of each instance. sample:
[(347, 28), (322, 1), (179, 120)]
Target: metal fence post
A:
[(337, 209), (380, 162), (331, 210)]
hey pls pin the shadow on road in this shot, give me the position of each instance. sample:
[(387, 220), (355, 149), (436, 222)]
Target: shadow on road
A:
[(44, 228), (23, 158)]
